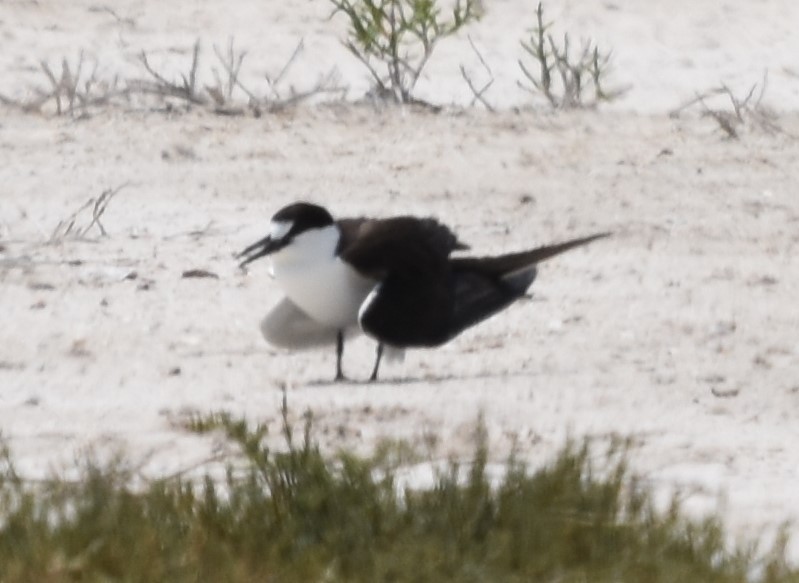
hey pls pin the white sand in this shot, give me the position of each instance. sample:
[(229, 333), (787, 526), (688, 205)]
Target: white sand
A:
[(680, 331)]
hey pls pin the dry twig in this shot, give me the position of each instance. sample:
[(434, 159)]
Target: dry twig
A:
[(231, 62), (745, 111), (478, 93), (67, 228), (186, 89), (562, 78), (71, 90), (328, 83)]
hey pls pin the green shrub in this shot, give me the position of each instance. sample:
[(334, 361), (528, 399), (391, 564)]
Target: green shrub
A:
[(394, 39), (298, 515)]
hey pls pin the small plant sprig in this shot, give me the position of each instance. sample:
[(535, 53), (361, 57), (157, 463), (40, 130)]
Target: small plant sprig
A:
[(69, 228), (73, 89), (567, 81), (746, 111), (479, 92), (185, 89), (394, 39), (189, 90)]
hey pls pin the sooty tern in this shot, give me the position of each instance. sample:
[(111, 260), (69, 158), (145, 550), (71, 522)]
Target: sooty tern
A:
[(393, 278)]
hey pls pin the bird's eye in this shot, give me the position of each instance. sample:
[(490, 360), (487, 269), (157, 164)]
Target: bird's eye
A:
[(279, 229)]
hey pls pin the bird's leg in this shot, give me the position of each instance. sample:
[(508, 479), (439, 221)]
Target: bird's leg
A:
[(339, 353), (379, 355)]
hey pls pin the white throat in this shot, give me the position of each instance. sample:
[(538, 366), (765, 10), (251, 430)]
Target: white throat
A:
[(317, 281)]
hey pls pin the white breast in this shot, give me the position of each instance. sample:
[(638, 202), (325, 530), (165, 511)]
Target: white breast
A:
[(313, 278)]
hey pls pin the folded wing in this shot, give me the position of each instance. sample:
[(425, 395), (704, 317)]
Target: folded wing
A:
[(402, 246), (428, 305)]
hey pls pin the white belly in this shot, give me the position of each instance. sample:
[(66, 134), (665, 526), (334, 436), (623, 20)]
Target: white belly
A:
[(328, 290)]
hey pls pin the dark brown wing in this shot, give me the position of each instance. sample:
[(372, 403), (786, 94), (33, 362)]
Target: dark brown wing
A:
[(400, 246), (408, 256)]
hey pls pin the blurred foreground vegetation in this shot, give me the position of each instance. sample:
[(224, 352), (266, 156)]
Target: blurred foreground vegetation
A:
[(298, 515)]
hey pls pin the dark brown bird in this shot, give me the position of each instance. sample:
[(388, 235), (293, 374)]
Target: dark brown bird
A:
[(394, 279)]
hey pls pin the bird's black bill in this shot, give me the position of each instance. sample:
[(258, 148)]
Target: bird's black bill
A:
[(259, 249)]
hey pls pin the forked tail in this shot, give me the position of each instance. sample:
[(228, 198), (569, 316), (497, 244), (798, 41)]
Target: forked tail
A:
[(483, 286)]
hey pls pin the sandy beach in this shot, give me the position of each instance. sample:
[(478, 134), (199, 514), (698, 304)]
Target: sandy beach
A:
[(679, 331)]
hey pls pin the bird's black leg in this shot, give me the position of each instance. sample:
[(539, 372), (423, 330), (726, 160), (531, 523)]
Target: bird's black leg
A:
[(378, 356), (339, 353)]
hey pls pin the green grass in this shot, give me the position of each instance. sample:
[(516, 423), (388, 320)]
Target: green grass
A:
[(298, 515)]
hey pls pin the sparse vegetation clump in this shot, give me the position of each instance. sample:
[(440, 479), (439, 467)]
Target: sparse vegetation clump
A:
[(567, 79), (394, 39), (78, 89), (221, 95), (297, 515), (72, 90), (734, 113)]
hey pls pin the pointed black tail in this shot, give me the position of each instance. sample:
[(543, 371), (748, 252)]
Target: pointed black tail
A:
[(406, 310), (505, 264), (484, 286)]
